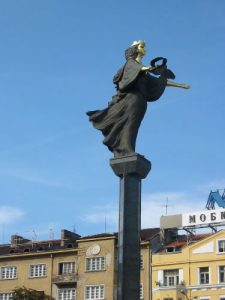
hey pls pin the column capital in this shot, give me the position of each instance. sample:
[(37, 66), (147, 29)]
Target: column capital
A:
[(134, 164)]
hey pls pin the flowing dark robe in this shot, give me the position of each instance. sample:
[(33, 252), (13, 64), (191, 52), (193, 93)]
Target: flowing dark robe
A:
[(120, 121)]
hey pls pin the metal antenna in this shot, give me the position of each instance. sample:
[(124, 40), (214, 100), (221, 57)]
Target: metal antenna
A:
[(51, 234), (105, 224), (34, 236), (3, 233), (166, 205)]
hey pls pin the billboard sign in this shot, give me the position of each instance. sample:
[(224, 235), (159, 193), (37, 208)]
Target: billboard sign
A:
[(192, 219), (203, 217)]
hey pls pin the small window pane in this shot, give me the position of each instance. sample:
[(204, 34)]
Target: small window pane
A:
[(38, 270), (8, 272), (141, 291), (5, 296), (204, 275), (95, 264), (171, 277), (67, 268), (221, 245), (222, 274), (94, 292), (67, 294), (141, 262)]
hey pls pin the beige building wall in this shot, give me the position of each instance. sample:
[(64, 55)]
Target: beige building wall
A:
[(23, 279), (23, 263), (196, 271), (102, 278), (199, 268), (91, 249), (145, 292)]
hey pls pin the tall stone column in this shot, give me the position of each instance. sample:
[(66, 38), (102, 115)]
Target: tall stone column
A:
[(130, 169)]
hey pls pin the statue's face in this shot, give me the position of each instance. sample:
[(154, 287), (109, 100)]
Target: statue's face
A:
[(141, 49)]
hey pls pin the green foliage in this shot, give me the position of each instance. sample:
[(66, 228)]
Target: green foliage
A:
[(29, 294)]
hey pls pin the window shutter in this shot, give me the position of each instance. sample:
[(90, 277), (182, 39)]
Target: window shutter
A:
[(181, 275), (160, 276)]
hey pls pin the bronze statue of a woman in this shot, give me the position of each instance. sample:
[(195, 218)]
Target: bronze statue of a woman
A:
[(120, 121)]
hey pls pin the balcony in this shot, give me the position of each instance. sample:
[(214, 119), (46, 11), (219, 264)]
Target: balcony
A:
[(170, 285), (65, 279)]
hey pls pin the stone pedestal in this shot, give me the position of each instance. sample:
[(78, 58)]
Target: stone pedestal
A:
[(130, 169)]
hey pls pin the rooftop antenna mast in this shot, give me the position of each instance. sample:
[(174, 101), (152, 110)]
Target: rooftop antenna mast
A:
[(105, 224), (51, 234), (3, 233), (166, 205), (34, 236)]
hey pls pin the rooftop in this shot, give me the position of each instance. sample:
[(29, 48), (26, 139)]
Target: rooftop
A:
[(69, 240), (181, 241)]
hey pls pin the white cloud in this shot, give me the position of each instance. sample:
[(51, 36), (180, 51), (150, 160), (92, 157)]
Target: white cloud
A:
[(38, 142), (29, 176), (101, 214), (42, 231), (9, 215), (153, 207), (216, 184)]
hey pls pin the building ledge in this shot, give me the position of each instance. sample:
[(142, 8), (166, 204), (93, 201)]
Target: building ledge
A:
[(191, 287), (65, 279)]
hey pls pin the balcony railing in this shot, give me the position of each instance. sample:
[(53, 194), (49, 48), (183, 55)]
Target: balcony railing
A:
[(65, 278), (167, 285)]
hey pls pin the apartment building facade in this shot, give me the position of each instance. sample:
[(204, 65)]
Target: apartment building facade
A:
[(190, 267), (70, 268), (74, 268)]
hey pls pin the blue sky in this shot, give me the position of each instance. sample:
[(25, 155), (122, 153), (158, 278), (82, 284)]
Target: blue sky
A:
[(57, 61)]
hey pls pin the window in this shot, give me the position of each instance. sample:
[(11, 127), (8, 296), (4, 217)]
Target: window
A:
[(94, 292), (171, 277), (221, 246), (204, 275), (5, 296), (173, 249), (141, 262), (95, 264), (67, 268), (38, 270), (8, 272), (67, 294), (222, 274), (141, 291)]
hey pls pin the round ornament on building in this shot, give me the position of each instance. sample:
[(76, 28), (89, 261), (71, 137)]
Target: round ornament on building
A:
[(93, 250)]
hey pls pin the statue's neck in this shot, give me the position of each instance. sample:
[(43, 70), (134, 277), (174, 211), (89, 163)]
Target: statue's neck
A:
[(139, 59)]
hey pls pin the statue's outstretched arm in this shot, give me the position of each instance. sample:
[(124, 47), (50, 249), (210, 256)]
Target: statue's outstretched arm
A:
[(149, 68), (179, 85)]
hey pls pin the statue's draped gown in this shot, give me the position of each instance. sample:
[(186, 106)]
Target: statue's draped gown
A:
[(120, 121)]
